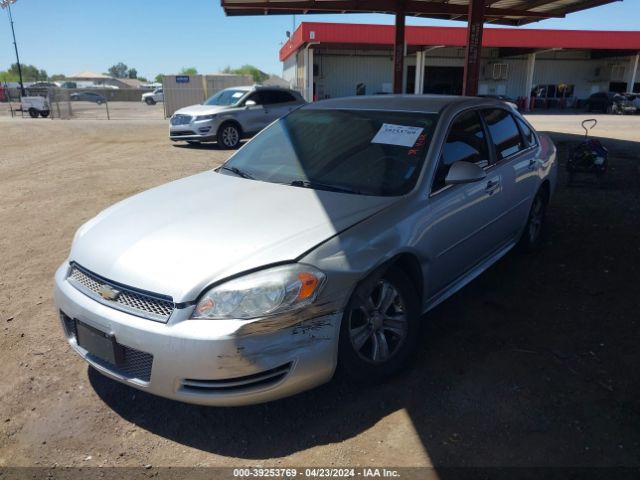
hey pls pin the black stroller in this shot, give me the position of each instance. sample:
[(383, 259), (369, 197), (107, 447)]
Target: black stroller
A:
[(589, 156)]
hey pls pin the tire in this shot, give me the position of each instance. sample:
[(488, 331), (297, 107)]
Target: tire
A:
[(33, 113), (608, 109), (149, 101), (532, 238), (229, 135), (99, 102), (377, 343), (44, 113)]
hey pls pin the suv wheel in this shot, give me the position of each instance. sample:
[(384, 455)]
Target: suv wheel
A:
[(149, 101), (229, 135)]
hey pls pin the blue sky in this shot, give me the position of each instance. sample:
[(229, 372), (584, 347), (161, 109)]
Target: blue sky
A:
[(162, 36)]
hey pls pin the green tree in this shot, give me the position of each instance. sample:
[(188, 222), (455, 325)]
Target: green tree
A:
[(143, 79), (159, 78), (30, 73), (132, 73), (119, 70), (6, 76), (189, 71), (57, 76), (257, 74)]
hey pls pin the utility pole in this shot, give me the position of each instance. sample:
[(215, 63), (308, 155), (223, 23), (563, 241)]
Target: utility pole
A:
[(7, 4)]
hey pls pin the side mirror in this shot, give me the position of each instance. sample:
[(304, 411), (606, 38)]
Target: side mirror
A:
[(464, 172), (250, 103)]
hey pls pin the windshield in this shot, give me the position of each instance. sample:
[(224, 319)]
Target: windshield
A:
[(355, 151), (225, 97)]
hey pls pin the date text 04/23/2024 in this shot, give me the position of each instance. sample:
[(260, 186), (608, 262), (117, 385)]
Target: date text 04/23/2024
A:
[(290, 473)]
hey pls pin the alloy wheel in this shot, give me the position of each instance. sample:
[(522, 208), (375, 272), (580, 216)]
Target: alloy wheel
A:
[(230, 136), (536, 219), (378, 328)]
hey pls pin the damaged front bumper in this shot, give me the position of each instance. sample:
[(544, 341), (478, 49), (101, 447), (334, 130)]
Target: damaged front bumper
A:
[(207, 362)]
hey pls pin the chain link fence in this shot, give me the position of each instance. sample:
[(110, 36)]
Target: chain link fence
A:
[(83, 104)]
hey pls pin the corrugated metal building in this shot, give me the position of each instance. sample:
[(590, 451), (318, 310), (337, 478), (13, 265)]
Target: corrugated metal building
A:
[(560, 67)]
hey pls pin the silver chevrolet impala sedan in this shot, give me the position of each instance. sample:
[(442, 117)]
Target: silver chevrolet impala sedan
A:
[(318, 245)]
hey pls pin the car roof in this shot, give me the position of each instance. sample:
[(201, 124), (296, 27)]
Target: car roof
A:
[(408, 103)]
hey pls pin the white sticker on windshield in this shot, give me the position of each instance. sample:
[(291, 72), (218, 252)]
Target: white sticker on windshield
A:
[(237, 94), (400, 135)]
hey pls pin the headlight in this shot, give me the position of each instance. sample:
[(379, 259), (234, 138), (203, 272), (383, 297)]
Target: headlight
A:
[(205, 117), (265, 293)]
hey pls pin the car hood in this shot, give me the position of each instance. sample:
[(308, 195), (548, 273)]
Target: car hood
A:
[(182, 236), (202, 109)]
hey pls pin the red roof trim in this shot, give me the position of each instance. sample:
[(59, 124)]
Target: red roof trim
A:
[(355, 34)]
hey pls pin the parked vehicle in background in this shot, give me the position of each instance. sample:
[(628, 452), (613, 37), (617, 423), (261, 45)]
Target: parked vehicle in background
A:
[(321, 242), (88, 97), (233, 114), (634, 98), (35, 106), (151, 98), (609, 102)]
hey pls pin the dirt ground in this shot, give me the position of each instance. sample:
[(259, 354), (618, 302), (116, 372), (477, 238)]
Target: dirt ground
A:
[(533, 364)]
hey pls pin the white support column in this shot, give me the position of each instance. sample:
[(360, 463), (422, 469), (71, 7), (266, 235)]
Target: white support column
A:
[(631, 79), (531, 65), (308, 74), (419, 80)]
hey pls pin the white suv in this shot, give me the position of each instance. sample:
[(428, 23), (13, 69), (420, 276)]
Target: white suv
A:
[(151, 98), (233, 114)]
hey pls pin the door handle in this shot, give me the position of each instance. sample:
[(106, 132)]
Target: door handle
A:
[(491, 187)]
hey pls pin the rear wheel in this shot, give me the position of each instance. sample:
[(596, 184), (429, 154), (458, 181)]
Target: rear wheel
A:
[(533, 236), (379, 328), (229, 135)]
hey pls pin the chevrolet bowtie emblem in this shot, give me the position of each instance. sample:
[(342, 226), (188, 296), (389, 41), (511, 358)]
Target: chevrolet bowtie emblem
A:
[(108, 293)]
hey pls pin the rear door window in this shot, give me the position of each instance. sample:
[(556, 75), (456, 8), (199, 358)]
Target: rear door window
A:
[(504, 133)]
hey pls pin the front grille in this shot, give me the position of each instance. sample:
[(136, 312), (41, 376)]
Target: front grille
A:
[(142, 304), (136, 364), (262, 379), (181, 120)]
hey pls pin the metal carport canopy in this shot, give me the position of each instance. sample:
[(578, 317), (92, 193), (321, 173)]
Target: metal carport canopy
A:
[(475, 12)]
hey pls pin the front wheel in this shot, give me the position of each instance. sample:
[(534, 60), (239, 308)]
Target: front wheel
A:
[(149, 101), (229, 136), (44, 113), (379, 328), (533, 235), (33, 113)]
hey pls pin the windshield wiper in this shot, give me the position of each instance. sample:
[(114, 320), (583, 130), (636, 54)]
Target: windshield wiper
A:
[(237, 171), (322, 186)]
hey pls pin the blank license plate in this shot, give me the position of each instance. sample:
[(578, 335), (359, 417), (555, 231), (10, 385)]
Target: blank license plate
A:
[(99, 343)]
